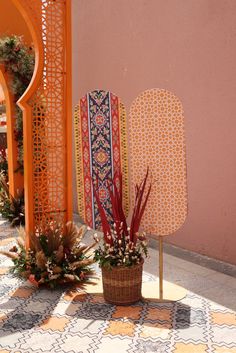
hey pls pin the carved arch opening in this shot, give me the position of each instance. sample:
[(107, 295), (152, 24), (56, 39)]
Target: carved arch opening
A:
[(15, 178)]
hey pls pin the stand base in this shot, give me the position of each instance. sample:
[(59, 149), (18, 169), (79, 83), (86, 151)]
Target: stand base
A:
[(171, 291)]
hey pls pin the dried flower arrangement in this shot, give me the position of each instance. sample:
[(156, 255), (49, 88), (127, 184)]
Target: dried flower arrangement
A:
[(11, 208), (55, 257), (122, 245)]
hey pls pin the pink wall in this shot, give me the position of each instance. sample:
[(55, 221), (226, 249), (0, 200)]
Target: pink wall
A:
[(189, 48)]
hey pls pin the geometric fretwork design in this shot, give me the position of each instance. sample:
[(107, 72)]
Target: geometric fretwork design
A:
[(101, 152), (48, 125), (156, 131), (48, 109)]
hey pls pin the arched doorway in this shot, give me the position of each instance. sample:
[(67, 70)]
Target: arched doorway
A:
[(15, 178)]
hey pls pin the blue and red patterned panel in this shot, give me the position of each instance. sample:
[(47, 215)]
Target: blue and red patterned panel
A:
[(101, 151)]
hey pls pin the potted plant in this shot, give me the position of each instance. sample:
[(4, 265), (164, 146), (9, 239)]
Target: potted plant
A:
[(55, 257), (122, 254)]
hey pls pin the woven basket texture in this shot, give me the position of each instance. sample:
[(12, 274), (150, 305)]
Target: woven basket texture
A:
[(122, 285)]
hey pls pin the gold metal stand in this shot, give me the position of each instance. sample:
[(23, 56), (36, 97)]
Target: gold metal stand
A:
[(167, 291), (160, 268)]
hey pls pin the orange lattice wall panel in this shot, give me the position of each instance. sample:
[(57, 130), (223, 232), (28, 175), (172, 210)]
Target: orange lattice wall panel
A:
[(47, 114)]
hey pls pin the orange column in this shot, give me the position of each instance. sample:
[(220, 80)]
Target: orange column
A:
[(16, 179)]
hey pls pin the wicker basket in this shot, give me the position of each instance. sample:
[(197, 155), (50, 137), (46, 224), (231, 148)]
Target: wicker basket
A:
[(122, 285)]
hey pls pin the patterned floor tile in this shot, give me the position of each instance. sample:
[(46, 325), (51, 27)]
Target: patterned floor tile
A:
[(190, 348), (157, 346), (22, 292), (224, 335), (54, 323), (45, 342), (78, 343), (192, 334), (224, 349), (219, 318), (114, 344), (88, 327), (10, 340), (20, 321), (8, 304), (37, 307), (160, 314), (155, 330), (121, 328), (132, 312)]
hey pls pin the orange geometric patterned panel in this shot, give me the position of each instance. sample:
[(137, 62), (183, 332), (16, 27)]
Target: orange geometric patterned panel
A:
[(49, 122), (156, 134), (48, 117)]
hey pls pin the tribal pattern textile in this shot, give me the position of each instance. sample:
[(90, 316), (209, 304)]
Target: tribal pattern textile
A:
[(156, 139), (73, 321), (101, 152)]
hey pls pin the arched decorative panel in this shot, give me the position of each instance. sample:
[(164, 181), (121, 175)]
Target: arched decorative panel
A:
[(101, 151), (156, 128), (47, 121)]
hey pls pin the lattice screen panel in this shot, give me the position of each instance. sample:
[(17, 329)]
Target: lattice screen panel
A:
[(48, 104), (156, 131)]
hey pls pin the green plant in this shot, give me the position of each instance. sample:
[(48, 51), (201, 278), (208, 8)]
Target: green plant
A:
[(11, 208), (56, 256), (122, 245), (18, 60)]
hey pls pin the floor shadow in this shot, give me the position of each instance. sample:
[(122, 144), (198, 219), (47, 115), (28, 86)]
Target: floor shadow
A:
[(171, 315), (19, 315)]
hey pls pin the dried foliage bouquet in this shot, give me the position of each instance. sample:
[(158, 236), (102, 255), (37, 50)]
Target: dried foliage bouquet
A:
[(55, 257), (123, 245), (11, 208)]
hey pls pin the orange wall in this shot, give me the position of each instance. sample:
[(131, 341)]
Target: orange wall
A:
[(189, 48), (12, 22)]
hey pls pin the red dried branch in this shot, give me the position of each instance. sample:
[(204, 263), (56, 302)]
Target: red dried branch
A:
[(105, 224), (118, 214), (139, 207)]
